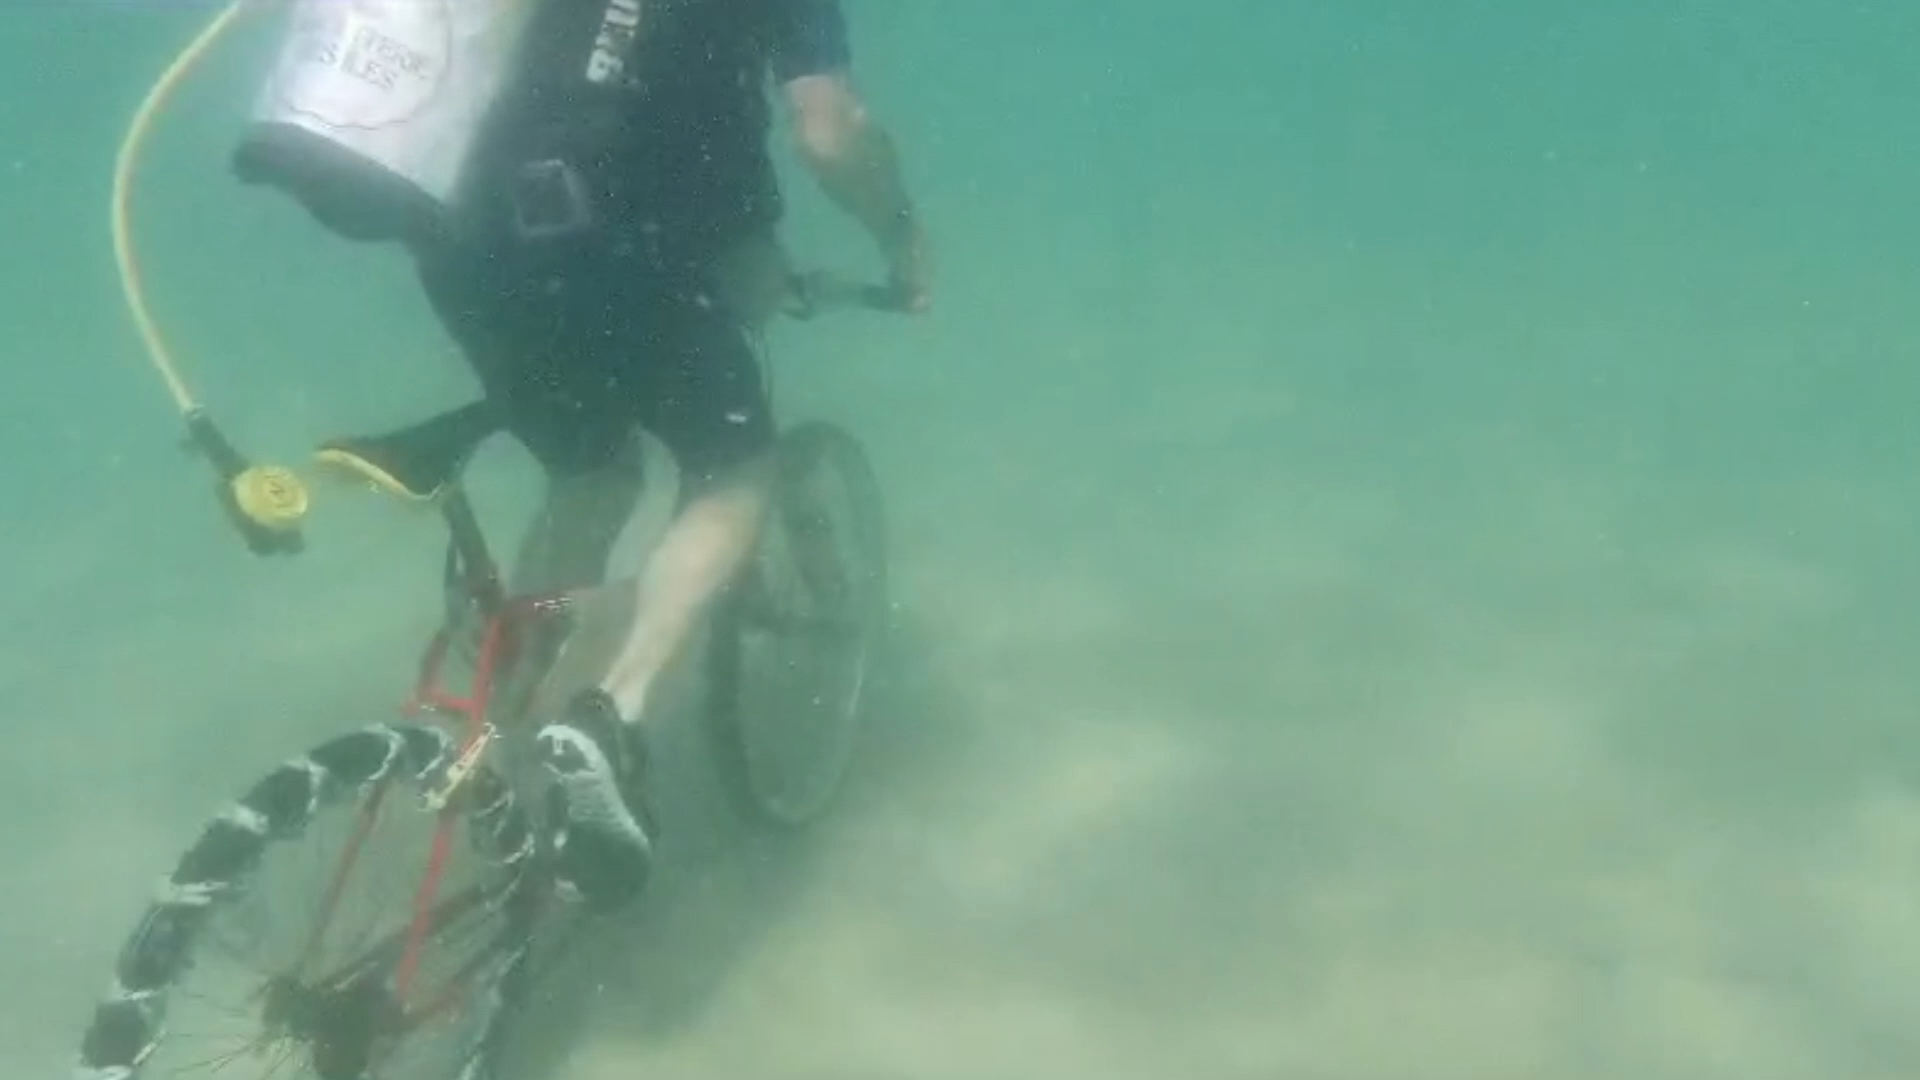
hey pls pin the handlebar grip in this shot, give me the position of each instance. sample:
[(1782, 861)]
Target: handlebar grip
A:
[(818, 291), (891, 298)]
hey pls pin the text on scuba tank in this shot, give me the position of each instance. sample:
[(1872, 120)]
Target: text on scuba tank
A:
[(366, 54), (618, 26)]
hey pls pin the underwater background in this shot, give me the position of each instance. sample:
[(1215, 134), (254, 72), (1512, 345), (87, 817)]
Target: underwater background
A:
[(1404, 536)]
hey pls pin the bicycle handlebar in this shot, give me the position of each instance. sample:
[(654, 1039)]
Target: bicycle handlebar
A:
[(817, 292)]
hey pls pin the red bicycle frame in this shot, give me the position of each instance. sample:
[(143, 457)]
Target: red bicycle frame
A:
[(502, 634)]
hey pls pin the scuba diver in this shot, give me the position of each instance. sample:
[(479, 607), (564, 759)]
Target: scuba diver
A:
[(594, 223)]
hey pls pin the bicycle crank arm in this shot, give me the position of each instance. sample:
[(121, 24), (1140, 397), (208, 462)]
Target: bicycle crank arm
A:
[(439, 791)]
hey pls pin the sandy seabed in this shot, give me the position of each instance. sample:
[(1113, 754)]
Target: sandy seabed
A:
[(1185, 764)]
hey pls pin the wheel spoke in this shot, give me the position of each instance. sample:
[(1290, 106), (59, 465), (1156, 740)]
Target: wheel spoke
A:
[(328, 1009)]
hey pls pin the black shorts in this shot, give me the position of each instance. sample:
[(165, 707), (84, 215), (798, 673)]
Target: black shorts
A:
[(577, 349)]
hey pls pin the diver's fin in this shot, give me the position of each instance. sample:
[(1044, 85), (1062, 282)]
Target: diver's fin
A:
[(417, 462)]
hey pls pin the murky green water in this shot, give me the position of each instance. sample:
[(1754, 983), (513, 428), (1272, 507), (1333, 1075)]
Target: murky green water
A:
[(1404, 526)]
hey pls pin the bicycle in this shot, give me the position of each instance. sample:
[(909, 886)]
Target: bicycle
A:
[(815, 587)]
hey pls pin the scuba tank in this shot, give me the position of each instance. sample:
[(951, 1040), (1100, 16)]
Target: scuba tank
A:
[(373, 108)]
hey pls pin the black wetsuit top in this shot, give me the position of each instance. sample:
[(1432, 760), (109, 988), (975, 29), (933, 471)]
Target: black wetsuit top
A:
[(676, 144), (580, 336)]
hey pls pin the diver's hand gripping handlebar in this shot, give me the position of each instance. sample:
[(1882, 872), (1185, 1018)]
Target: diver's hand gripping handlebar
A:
[(817, 292)]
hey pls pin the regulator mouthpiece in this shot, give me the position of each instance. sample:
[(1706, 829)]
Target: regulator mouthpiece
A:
[(265, 502)]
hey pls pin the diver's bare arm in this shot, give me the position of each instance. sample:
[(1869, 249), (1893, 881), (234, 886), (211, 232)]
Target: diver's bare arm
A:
[(853, 158)]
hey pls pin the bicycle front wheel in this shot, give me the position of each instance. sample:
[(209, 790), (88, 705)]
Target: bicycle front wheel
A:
[(332, 925), (792, 653)]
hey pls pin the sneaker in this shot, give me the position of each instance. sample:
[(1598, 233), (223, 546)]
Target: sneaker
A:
[(604, 843)]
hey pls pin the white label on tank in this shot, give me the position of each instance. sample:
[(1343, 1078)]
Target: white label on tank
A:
[(618, 27), (369, 63)]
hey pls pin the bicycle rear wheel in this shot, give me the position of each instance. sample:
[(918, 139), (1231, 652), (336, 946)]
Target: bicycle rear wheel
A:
[(294, 939), (793, 650)]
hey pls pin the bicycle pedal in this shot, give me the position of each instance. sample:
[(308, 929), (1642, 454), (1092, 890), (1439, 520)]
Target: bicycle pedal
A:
[(448, 777)]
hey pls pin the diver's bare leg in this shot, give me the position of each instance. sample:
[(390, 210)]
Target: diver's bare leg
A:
[(708, 540), (698, 556)]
